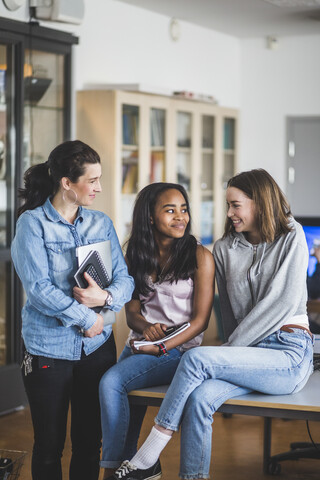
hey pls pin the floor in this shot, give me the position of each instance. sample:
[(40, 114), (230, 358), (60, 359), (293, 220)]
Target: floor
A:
[(237, 446)]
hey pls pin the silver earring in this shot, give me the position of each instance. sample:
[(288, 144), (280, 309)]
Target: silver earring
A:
[(66, 199)]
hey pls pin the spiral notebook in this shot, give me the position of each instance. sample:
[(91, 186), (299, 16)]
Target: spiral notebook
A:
[(94, 266), (104, 248), (170, 333), (95, 258)]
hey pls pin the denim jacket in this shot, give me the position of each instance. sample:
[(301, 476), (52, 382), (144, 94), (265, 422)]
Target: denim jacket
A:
[(44, 255)]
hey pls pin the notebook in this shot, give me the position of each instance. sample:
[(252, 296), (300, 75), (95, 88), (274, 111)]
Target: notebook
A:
[(94, 266), (103, 259), (170, 333), (104, 248)]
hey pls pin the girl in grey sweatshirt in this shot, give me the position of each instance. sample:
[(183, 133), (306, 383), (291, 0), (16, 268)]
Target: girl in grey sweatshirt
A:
[(261, 267)]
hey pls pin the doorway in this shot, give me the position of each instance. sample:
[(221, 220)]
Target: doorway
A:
[(303, 166)]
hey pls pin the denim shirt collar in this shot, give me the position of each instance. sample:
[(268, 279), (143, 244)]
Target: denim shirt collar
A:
[(53, 215)]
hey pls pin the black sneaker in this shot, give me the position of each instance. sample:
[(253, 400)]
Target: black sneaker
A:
[(127, 471)]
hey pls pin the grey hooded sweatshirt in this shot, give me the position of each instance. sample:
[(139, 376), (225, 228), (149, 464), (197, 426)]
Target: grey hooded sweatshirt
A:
[(260, 287)]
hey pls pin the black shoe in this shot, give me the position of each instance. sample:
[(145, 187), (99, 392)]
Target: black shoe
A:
[(129, 472)]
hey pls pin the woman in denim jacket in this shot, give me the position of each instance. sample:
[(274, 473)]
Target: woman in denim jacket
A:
[(261, 265), (68, 346)]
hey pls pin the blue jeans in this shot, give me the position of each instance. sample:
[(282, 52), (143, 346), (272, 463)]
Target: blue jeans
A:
[(208, 376), (121, 423)]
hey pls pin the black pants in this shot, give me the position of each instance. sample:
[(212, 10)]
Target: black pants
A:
[(49, 392)]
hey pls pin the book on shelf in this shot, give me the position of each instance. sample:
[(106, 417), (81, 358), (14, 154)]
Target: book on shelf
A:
[(200, 97), (206, 225), (171, 332), (157, 127), (229, 134), (184, 130), (130, 126), (157, 173), (129, 178), (125, 129)]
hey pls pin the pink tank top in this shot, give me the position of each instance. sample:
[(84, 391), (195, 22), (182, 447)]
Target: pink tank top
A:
[(171, 304)]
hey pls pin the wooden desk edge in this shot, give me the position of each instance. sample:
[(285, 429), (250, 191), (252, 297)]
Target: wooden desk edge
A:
[(146, 393), (234, 401)]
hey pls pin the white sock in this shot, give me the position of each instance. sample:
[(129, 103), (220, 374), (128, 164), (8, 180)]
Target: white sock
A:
[(149, 452)]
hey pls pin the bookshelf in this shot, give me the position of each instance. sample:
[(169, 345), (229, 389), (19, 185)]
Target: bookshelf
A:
[(144, 138)]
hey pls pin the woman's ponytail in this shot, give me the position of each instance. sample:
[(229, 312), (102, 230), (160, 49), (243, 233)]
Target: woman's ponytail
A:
[(69, 159), (38, 186)]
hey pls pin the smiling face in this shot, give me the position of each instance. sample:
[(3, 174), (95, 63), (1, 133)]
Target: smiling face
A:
[(171, 215), (88, 184), (242, 213)]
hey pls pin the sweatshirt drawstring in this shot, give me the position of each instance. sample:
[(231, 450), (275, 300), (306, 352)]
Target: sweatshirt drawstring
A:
[(261, 258), (235, 243)]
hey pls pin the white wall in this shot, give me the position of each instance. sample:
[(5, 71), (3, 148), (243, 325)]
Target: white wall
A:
[(123, 44), (21, 14), (276, 84)]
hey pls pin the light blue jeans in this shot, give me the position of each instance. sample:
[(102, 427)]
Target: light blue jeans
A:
[(208, 376), (121, 423)]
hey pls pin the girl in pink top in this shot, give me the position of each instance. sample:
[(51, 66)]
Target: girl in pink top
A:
[(174, 280)]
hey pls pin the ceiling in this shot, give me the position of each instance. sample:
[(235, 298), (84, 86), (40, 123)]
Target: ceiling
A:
[(243, 18)]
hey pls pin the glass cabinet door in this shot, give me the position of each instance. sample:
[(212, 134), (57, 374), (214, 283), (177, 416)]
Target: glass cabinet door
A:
[(7, 183), (184, 124), (35, 92), (228, 150), (207, 192), (130, 165), (44, 105), (157, 143)]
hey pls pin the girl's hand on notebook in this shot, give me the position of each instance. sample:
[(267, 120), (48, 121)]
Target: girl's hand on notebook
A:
[(154, 331), (92, 296)]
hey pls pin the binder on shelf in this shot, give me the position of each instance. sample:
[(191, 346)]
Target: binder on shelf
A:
[(130, 125), (229, 134), (130, 179), (157, 128), (157, 167)]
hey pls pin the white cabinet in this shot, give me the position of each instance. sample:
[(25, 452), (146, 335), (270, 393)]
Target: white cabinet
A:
[(144, 138)]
